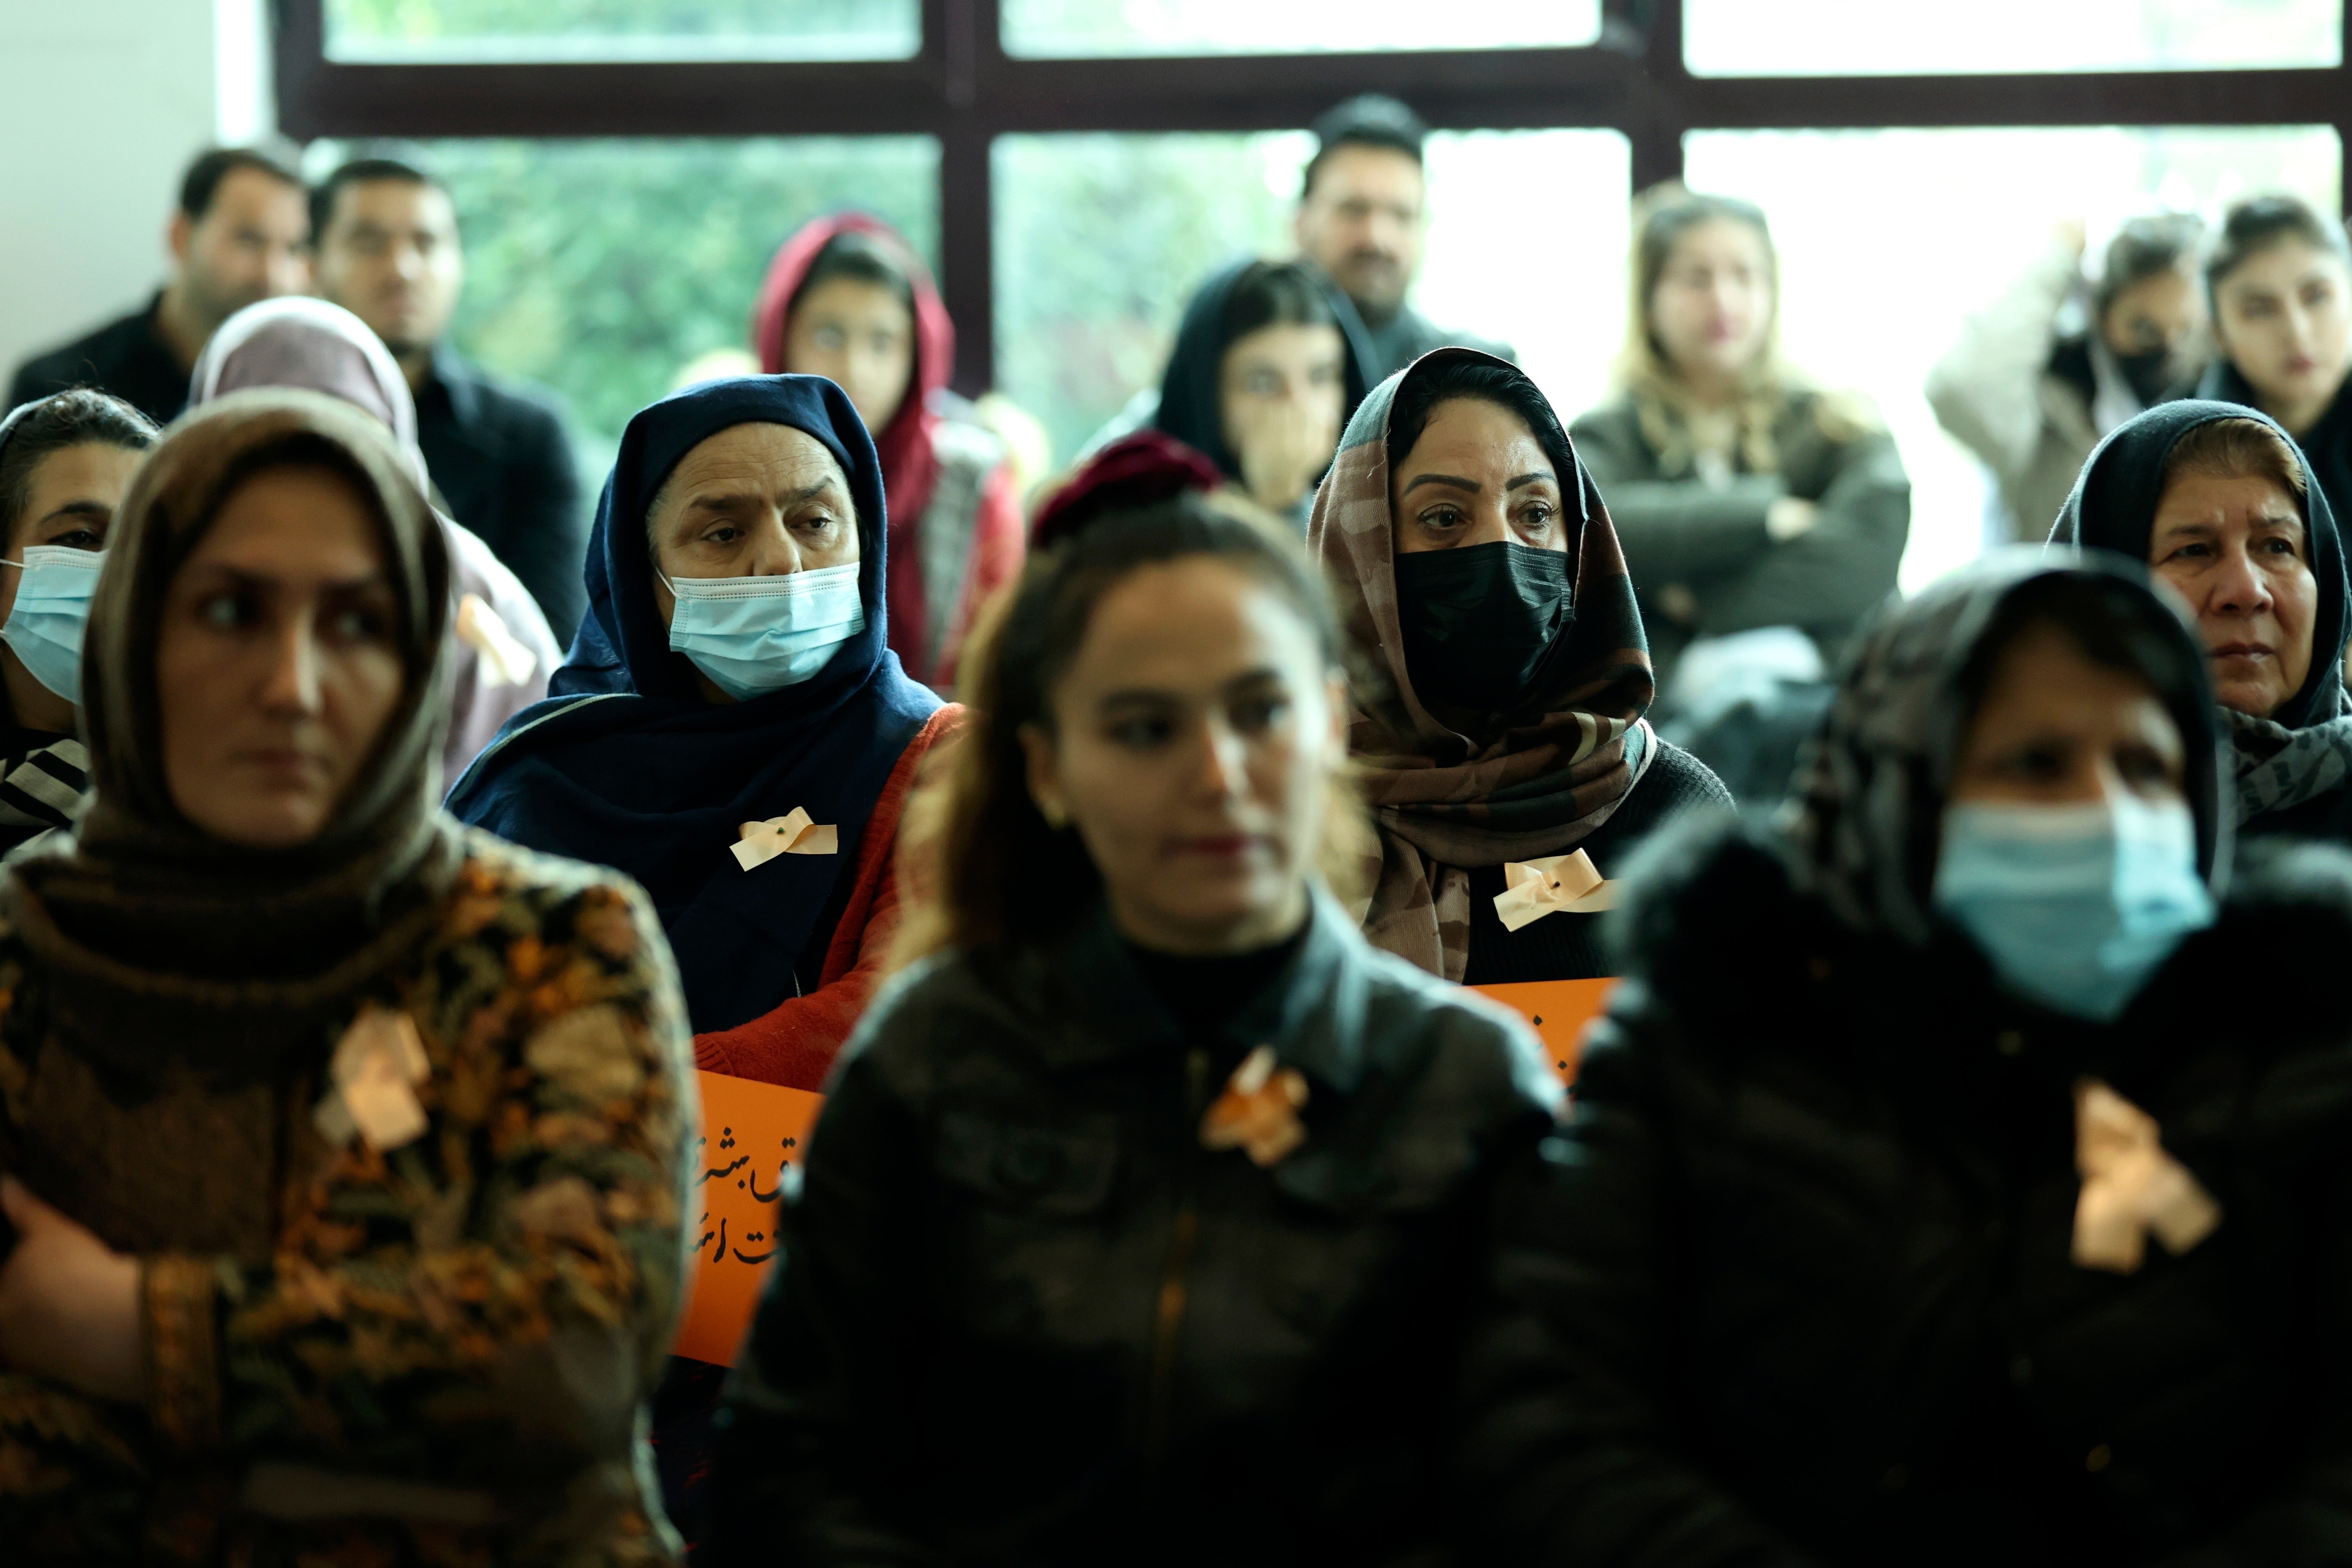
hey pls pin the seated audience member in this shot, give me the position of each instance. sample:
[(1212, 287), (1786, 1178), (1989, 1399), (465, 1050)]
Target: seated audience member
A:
[(2031, 396), (65, 463), (342, 1148), (1744, 499), (1931, 1195), (2228, 513), (732, 672), (845, 299), (385, 237), (1478, 566), (1138, 1016), (501, 651), (1268, 364), (237, 236), (2279, 280), (1363, 218)]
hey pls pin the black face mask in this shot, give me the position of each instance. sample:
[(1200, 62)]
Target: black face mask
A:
[(2149, 374), (1480, 620)]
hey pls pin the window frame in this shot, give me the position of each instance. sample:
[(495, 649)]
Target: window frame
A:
[(963, 89)]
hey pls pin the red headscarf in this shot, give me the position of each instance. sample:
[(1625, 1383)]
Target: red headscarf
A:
[(909, 465)]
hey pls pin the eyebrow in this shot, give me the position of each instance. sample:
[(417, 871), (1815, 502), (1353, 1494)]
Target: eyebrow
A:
[(243, 576), (753, 498), (1264, 675), (1456, 481), (1534, 479), (79, 507)]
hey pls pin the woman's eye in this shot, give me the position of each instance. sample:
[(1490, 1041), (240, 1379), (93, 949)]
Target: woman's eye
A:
[(1536, 520), (82, 539), (2142, 767), (225, 611), (1442, 519), (1259, 714), (2037, 764), (1139, 735), (2284, 547), (723, 533), (1262, 384), (833, 340), (357, 624)]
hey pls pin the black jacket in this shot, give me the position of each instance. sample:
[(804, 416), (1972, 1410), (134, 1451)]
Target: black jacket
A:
[(127, 357), (499, 456), (1796, 1289), (1022, 1316)]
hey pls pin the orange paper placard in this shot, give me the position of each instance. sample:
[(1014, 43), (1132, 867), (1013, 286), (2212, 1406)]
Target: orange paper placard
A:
[(751, 1132), (1559, 1009)]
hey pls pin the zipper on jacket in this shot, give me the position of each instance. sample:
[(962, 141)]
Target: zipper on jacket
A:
[(1168, 1314)]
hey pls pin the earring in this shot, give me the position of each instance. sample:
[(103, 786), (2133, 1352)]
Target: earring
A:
[(1056, 815)]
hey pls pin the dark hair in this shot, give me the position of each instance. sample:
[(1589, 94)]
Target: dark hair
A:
[(866, 258), (1505, 386), (203, 181), (361, 172), (1373, 120), (1275, 294), (2239, 449), (73, 418), (2145, 247), (987, 869), (2256, 224), (2115, 627)]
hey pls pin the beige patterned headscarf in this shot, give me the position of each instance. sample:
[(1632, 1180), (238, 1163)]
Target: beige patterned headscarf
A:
[(1532, 780)]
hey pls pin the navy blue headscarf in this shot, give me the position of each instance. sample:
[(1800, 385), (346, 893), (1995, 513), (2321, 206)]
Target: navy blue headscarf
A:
[(627, 766)]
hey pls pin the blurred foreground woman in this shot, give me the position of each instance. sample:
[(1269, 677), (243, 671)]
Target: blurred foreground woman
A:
[(1932, 1196), (1478, 565), (501, 649), (342, 1147), (1142, 1215), (2230, 514)]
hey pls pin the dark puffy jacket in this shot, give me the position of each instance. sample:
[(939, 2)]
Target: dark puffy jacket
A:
[(1796, 1286), (1022, 1316)]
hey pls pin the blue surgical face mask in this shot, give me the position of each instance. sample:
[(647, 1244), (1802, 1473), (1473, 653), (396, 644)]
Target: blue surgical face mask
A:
[(51, 612), (2075, 905), (753, 636)]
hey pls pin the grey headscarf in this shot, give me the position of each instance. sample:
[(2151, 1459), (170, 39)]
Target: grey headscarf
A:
[(2304, 750), (1866, 826)]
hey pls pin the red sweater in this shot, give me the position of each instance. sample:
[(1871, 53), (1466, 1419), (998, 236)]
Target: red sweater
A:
[(794, 1046)]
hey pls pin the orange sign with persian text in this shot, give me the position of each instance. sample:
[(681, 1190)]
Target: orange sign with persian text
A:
[(751, 1132), (1558, 1010)]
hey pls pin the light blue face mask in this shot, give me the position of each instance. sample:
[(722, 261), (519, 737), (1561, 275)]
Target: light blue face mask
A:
[(51, 612), (753, 636), (2075, 905)]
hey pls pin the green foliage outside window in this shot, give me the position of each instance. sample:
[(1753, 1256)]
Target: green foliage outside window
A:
[(601, 268)]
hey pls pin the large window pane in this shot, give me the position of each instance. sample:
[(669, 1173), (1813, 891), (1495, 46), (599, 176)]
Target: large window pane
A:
[(408, 31), (1100, 239), (1077, 29), (601, 268), (1861, 37), (1889, 239)]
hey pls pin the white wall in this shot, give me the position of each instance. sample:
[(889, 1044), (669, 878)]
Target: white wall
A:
[(103, 102)]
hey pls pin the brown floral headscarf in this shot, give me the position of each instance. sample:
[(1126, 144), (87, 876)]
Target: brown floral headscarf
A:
[(1532, 780)]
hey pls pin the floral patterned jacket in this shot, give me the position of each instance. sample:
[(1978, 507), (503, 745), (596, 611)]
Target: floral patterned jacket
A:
[(440, 1351)]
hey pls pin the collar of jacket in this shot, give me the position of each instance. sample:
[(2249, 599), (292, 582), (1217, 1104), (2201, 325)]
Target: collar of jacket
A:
[(458, 383), (1312, 1013)]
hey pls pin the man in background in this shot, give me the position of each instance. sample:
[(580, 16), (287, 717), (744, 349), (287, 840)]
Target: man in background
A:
[(387, 249), (237, 238), (1362, 217)]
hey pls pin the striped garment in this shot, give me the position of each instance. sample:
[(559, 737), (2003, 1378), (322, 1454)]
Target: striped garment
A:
[(43, 778)]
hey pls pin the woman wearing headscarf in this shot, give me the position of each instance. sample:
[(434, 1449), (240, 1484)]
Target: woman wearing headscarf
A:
[(1270, 361), (847, 300), (344, 1149), (1503, 750), (1746, 498), (733, 670), (1143, 1212), (2229, 512), (1931, 1197), (501, 651), (66, 461)]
